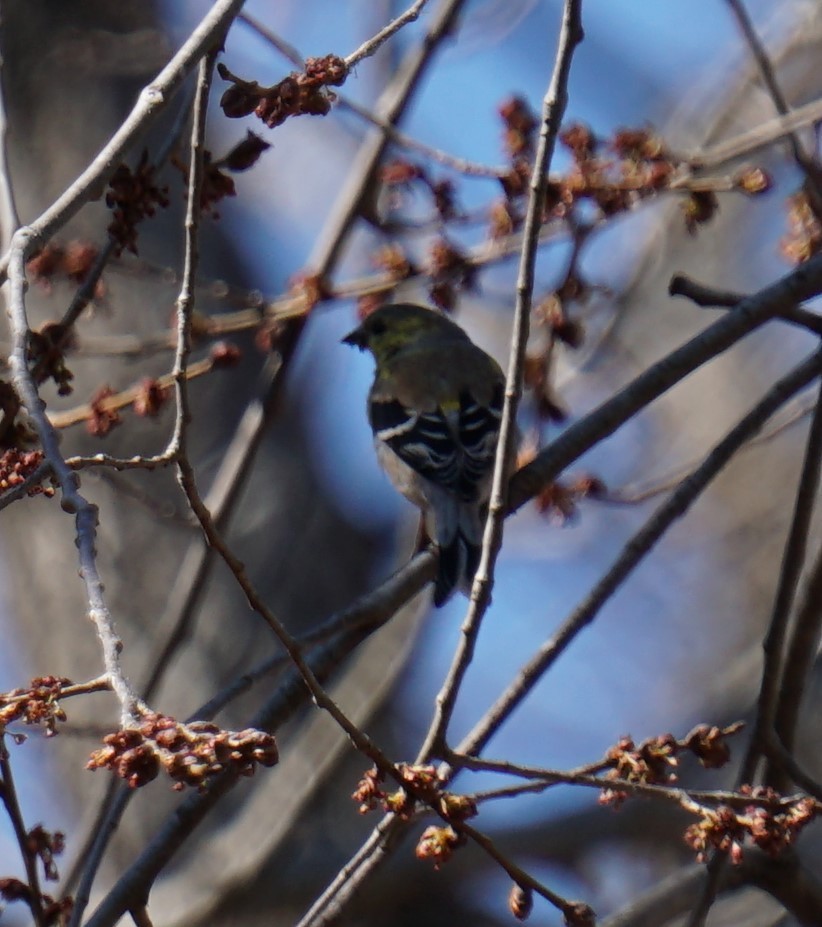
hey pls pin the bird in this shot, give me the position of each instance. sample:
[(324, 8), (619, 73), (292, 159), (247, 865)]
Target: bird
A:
[(435, 408)]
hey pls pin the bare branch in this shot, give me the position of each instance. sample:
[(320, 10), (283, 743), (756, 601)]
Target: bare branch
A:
[(637, 548), (799, 285), (8, 795), (152, 100), (554, 104)]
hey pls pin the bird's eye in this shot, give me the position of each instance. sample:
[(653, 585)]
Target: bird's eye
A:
[(378, 327)]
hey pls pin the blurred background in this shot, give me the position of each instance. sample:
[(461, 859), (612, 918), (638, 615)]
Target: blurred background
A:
[(317, 523)]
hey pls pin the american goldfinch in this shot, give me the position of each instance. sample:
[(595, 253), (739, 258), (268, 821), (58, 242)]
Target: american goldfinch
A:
[(435, 408)]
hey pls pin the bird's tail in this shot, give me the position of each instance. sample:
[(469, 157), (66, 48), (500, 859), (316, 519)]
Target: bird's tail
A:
[(459, 538)]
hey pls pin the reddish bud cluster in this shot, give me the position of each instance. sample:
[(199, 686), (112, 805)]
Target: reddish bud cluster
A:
[(371, 795), (401, 175), (310, 289), (654, 760), (520, 126), (752, 180), (369, 792), (772, 827), (579, 914), (698, 208), (650, 763), (245, 154), (503, 219), (393, 261), (16, 466), (190, 754), (520, 901), (438, 844), (559, 500), (46, 845), (55, 913), (423, 785), (269, 335), (641, 168), (370, 302), (225, 354), (102, 417), (133, 196), (46, 354), (552, 322), (303, 93), (73, 261), (708, 744), (804, 236), (449, 271), (216, 184), (150, 398), (39, 704)]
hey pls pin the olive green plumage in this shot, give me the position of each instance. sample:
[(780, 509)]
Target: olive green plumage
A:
[(435, 408)]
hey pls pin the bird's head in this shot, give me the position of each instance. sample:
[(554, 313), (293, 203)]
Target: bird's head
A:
[(392, 328)]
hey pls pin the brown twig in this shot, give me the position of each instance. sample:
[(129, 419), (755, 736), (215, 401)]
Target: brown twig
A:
[(176, 449), (709, 298), (373, 44), (152, 101), (766, 70), (72, 501), (554, 104), (747, 143), (114, 403), (783, 669), (799, 285), (8, 795)]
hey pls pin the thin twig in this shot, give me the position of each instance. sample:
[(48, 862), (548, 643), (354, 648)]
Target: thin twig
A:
[(122, 400), (801, 284), (766, 71), (177, 444), (685, 798), (802, 650), (746, 143), (328, 906), (525, 879), (72, 500), (708, 297), (775, 667), (140, 916), (556, 98), (23, 489), (8, 795), (373, 44), (152, 101)]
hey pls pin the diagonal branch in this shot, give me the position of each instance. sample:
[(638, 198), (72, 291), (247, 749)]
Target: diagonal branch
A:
[(637, 549), (799, 285)]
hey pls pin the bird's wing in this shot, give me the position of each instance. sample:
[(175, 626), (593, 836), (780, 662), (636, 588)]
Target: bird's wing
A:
[(454, 450)]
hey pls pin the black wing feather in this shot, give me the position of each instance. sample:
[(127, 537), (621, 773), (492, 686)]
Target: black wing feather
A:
[(428, 443)]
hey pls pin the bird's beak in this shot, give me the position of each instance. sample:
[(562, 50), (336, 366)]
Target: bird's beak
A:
[(357, 338)]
